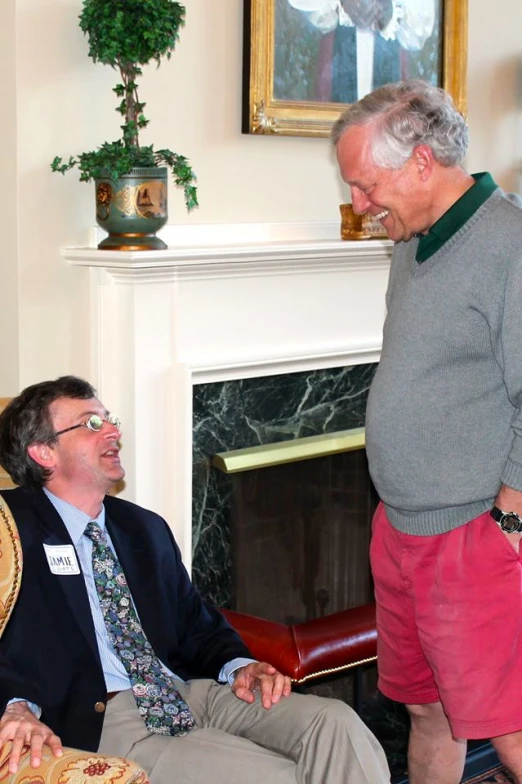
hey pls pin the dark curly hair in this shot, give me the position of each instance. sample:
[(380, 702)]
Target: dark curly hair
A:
[(26, 420)]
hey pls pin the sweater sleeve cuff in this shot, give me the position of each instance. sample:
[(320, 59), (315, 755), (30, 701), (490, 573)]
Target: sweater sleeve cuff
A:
[(512, 475)]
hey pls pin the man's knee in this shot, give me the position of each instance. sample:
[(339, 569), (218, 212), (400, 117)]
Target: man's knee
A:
[(509, 750), (429, 714), (336, 714)]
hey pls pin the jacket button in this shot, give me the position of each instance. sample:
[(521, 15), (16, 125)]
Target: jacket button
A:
[(99, 707)]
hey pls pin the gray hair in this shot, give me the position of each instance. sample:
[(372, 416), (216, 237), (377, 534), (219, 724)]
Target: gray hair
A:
[(404, 115)]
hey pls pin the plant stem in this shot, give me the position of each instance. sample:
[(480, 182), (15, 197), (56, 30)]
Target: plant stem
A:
[(128, 74)]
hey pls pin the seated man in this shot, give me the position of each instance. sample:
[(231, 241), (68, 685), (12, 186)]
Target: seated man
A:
[(111, 648)]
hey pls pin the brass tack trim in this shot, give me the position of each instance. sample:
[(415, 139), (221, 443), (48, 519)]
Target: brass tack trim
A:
[(333, 670)]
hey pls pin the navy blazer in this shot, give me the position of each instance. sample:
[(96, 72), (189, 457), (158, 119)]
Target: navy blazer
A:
[(48, 652)]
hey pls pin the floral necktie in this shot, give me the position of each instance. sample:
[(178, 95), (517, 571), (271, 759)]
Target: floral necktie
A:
[(161, 706)]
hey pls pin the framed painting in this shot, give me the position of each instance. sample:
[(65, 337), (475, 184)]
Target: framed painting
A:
[(304, 60)]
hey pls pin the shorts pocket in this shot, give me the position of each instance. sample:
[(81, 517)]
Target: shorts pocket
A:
[(498, 535)]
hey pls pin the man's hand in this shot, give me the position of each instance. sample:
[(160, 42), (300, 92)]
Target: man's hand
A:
[(510, 500), (262, 677), (20, 725)]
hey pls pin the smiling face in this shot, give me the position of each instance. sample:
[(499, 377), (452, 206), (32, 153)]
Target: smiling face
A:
[(398, 198), (84, 464)]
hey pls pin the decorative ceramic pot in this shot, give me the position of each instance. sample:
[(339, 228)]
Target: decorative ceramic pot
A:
[(132, 209)]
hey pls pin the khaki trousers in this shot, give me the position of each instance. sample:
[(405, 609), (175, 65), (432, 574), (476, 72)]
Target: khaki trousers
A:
[(304, 739)]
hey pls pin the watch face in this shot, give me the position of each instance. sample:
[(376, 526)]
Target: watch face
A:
[(511, 523)]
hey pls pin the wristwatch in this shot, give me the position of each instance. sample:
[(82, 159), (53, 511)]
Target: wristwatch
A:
[(510, 522)]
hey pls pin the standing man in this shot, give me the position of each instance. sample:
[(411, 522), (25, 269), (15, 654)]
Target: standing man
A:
[(444, 428), (110, 646)]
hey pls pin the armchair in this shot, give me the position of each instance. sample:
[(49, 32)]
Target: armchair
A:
[(312, 649), (74, 767)]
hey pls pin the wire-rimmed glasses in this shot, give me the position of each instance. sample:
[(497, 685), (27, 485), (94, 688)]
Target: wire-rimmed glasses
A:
[(94, 423)]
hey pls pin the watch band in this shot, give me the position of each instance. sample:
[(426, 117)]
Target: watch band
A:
[(510, 522)]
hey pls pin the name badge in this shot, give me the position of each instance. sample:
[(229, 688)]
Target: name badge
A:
[(62, 559)]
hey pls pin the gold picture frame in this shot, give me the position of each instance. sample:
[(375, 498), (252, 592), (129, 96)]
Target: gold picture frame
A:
[(265, 112)]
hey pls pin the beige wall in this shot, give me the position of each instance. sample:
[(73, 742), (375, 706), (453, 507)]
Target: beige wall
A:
[(8, 205), (56, 101)]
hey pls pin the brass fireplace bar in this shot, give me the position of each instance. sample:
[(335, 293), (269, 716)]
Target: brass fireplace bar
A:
[(289, 451)]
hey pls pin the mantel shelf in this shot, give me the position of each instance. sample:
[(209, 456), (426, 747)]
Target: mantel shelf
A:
[(371, 251), (239, 245)]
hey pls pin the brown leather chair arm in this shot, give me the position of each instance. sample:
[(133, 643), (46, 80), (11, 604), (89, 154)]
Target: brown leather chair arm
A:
[(313, 648)]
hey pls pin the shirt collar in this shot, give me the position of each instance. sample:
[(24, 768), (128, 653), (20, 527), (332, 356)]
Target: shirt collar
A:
[(73, 518), (457, 215)]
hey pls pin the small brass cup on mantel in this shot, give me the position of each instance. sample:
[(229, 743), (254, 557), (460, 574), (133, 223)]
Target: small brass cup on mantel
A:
[(359, 227)]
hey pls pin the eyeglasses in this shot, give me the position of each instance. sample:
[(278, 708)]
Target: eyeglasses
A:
[(94, 423)]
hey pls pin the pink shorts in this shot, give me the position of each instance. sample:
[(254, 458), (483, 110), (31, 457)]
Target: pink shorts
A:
[(449, 623)]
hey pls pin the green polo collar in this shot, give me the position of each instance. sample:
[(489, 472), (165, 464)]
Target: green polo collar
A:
[(457, 215)]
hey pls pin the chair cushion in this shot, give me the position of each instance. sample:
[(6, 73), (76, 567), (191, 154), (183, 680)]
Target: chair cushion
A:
[(74, 767)]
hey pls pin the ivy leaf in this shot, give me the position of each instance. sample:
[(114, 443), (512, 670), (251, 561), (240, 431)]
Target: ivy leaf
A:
[(127, 34)]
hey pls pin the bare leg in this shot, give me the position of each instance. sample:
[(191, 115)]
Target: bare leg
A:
[(434, 756), (509, 749)]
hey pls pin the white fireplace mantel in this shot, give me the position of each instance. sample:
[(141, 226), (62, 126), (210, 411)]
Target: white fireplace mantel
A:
[(223, 302)]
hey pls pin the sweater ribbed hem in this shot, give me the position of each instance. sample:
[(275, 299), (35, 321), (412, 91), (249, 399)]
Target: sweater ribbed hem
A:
[(436, 521), (512, 475)]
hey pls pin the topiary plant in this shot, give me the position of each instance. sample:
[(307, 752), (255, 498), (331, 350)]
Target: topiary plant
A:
[(127, 34)]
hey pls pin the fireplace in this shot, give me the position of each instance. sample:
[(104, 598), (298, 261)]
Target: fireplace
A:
[(315, 508), (300, 536), (242, 303), (227, 303), (296, 536)]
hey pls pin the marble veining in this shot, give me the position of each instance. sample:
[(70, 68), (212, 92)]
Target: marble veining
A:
[(235, 414)]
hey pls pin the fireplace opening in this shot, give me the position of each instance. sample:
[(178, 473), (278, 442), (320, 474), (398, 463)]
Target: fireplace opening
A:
[(300, 535), (263, 412)]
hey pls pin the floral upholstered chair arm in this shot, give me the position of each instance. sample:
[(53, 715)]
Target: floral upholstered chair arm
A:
[(74, 767)]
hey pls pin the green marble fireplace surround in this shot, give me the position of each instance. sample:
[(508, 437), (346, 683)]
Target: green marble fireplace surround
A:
[(242, 413)]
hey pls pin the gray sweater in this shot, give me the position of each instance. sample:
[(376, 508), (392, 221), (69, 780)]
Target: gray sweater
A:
[(444, 419)]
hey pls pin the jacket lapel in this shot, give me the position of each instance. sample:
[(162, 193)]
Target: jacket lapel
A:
[(55, 533)]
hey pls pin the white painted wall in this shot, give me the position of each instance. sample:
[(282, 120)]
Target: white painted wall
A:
[(8, 204), (56, 101)]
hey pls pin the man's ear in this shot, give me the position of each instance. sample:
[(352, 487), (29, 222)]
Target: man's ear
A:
[(424, 161), (43, 454)]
